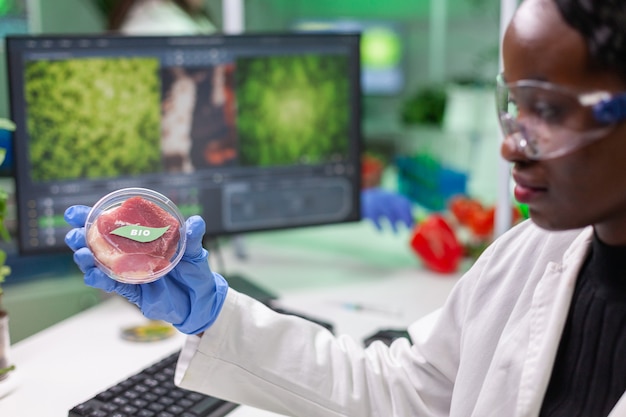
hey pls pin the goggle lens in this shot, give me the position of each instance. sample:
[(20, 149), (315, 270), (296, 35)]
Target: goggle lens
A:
[(546, 121)]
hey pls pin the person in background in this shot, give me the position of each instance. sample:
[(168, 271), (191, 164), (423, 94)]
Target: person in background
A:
[(534, 328), (160, 17)]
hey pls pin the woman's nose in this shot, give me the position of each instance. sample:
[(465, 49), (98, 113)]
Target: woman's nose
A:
[(511, 150)]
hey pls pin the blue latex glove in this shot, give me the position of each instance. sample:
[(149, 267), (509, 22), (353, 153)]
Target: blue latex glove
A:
[(190, 296), (377, 203)]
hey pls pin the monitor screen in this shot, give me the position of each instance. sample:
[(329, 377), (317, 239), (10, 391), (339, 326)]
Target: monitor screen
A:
[(253, 132)]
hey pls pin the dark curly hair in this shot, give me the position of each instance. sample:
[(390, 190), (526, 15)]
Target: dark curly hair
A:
[(603, 24)]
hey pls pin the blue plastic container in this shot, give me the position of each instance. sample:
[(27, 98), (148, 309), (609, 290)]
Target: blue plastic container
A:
[(6, 142), (429, 183)]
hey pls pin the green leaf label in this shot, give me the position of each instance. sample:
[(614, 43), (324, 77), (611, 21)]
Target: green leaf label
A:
[(140, 233)]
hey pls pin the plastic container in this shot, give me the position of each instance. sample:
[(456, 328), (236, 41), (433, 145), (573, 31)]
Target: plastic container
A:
[(137, 235)]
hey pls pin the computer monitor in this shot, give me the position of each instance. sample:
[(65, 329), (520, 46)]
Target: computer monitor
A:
[(253, 132)]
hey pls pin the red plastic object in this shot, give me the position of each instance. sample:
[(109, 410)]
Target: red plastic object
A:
[(436, 244), (482, 222), (464, 208), (479, 219)]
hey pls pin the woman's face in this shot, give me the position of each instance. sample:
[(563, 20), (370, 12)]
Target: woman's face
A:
[(588, 185)]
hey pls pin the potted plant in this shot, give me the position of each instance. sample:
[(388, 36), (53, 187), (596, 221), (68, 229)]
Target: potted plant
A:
[(425, 107), (6, 126), (5, 270)]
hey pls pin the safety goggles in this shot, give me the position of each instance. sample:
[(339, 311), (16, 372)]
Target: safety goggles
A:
[(547, 121)]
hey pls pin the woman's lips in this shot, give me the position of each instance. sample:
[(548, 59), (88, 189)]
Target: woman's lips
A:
[(526, 191), (526, 195)]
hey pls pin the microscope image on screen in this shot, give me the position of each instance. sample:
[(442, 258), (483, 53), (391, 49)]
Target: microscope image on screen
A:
[(198, 123), (253, 132), (287, 109), (81, 126), (254, 112)]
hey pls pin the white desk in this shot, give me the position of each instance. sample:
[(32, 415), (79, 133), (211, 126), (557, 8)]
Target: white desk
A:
[(71, 361)]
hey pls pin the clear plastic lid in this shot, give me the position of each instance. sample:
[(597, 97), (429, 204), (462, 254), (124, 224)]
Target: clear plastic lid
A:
[(137, 235)]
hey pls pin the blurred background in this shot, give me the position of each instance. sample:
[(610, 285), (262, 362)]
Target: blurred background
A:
[(429, 124), (429, 66)]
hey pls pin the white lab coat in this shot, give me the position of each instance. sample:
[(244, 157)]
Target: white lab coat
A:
[(488, 352)]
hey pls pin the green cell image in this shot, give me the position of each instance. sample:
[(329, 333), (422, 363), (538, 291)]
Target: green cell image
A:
[(292, 109), (93, 118)]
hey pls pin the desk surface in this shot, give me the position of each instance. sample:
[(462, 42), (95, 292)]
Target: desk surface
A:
[(73, 360)]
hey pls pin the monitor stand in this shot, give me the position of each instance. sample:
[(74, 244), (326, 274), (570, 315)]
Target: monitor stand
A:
[(237, 281), (244, 285)]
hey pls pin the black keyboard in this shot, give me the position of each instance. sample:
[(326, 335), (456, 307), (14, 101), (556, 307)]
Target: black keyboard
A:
[(152, 393)]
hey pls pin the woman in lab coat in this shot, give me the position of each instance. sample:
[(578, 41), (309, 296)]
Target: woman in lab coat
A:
[(534, 328)]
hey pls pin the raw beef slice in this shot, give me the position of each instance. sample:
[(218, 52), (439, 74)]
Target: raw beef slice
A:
[(126, 257)]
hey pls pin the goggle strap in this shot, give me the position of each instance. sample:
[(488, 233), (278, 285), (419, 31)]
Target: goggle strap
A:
[(612, 110)]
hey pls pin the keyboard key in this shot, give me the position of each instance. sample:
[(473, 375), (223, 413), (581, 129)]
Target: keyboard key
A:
[(175, 409), (109, 407), (156, 407), (150, 397), (166, 400), (205, 405), (185, 403)]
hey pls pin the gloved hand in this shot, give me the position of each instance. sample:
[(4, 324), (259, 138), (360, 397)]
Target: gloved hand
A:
[(377, 203), (190, 296)]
